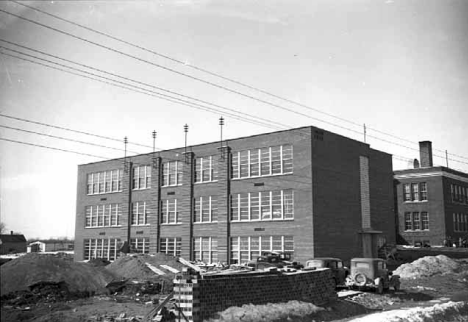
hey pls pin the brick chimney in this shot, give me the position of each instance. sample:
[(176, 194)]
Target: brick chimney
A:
[(425, 153)]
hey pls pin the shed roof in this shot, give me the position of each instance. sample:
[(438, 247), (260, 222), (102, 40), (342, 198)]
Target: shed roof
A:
[(9, 238)]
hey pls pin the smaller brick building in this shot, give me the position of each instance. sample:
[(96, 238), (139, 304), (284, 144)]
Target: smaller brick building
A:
[(431, 202), (12, 243)]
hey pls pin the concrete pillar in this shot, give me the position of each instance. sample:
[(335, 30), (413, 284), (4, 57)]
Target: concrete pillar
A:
[(224, 185), (154, 206), (125, 218), (185, 206)]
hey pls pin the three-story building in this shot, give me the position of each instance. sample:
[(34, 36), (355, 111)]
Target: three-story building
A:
[(305, 191)]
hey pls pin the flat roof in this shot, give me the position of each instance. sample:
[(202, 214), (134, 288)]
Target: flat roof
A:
[(311, 127), (433, 170)]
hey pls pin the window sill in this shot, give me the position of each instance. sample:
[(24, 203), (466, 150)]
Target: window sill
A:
[(103, 193), (140, 189), (260, 220), (100, 227), (140, 225), (417, 231), (171, 224), (172, 186), (204, 222), (415, 201)]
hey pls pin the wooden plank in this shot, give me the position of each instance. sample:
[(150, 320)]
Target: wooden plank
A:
[(187, 263), (171, 269), (155, 269)]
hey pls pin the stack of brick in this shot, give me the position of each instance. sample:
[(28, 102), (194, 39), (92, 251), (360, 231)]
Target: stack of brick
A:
[(201, 297)]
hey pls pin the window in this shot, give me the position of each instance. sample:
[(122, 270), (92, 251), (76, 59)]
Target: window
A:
[(101, 248), (170, 246), (169, 213), (206, 169), (416, 221), (408, 221), (262, 162), (205, 249), (140, 245), (423, 190), (415, 191), (459, 193), (141, 177), (407, 192), (104, 182), (104, 215), (248, 248), (206, 209), (139, 213), (460, 222), (424, 221), (264, 205), (172, 173)]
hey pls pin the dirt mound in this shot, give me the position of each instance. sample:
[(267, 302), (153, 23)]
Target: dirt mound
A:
[(134, 267), (428, 266), (32, 269)]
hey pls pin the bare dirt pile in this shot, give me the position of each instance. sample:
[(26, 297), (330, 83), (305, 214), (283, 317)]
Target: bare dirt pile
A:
[(31, 270), (133, 267), (429, 266)]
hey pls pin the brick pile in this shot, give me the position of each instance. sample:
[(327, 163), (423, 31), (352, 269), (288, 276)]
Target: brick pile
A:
[(201, 297)]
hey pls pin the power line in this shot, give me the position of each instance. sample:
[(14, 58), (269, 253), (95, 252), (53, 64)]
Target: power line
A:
[(215, 74), (130, 87), (160, 94), (175, 71), (135, 81), (52, 148), (63, 138)]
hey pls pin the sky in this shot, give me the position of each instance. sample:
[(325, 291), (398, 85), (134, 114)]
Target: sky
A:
[(399, 67)]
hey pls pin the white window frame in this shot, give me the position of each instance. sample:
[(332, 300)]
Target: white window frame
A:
[(94, 178), (166, 214), (94, 211), (236, 212), (237, 155)]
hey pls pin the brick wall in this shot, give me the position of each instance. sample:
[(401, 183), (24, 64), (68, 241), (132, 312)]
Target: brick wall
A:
[(200, 299)]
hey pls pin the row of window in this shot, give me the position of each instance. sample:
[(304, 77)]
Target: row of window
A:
[(252, 206), (244, 164), (101, 248), (104, 182), (262, 162), (205, 249), (459, 193), (416, 221), (264, 205), (106, 215), (140, 245), (244, 249), (415, 191), (460, 222)]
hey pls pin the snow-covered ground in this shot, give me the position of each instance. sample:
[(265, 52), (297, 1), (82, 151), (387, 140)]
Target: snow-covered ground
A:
[(297, 311), (450, 311)]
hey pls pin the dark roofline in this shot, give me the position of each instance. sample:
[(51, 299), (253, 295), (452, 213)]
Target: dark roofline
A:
[(235, 139), (429, 169)]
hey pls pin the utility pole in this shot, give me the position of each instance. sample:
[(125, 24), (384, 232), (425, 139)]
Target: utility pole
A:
[(365, 132), (446, 158), (221, 123)]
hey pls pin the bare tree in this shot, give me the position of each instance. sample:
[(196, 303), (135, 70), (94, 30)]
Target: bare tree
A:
[(2, 228)]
